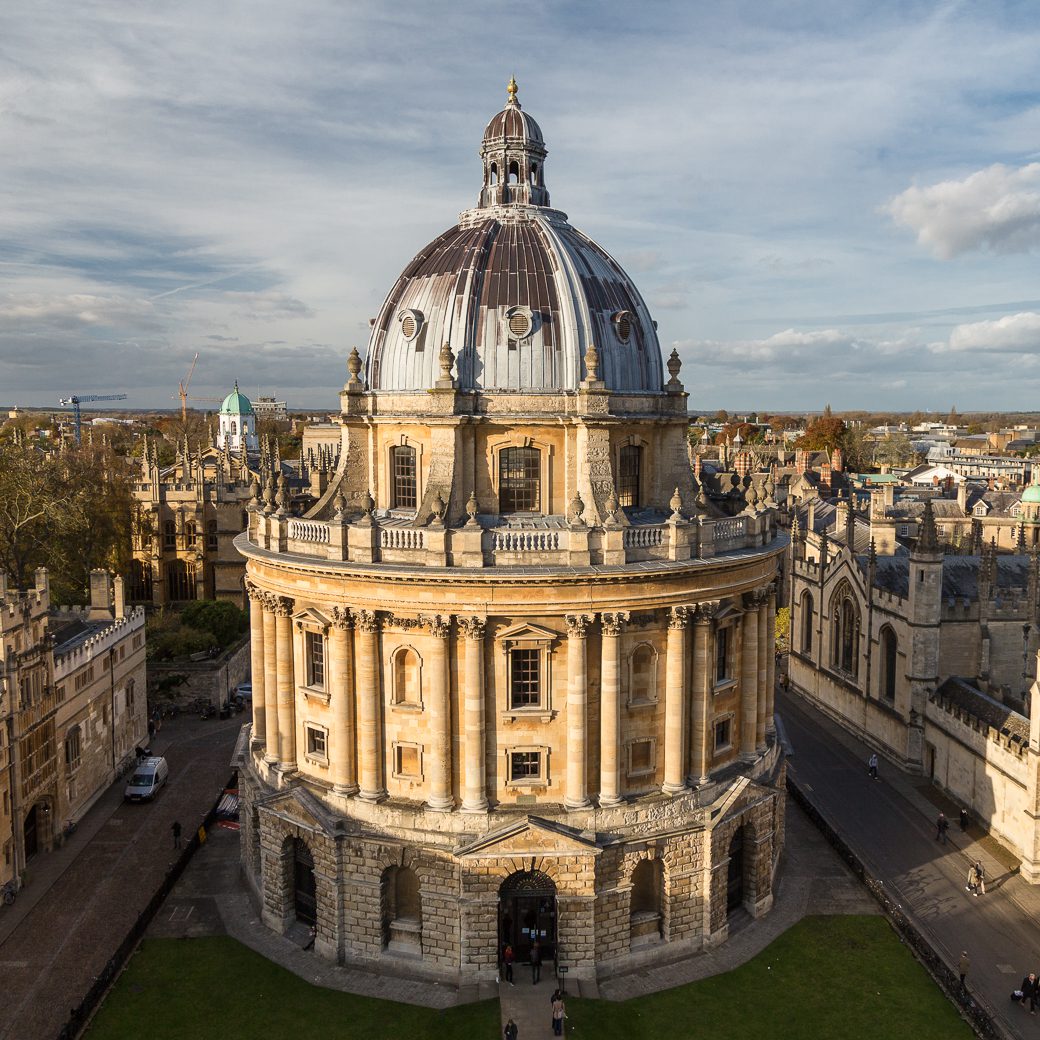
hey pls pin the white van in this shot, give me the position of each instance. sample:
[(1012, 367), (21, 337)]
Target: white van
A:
[(147, 778)]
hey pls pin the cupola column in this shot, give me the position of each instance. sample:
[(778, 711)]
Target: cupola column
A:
[(475, 794), (286, 683), (341, 688), (440, 716), (577, 796), (610, 709), (270, 677), (256, 662), (703, 677), (749, 677), (369, 723), (675, 674)]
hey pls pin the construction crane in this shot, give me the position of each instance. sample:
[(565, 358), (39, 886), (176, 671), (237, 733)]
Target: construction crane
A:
[(182, 389), (77, 399)]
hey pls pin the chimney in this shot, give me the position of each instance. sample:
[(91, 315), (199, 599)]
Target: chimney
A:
[(100, 596), (962, 495), (119, 588), (43, 584), (889, 492)]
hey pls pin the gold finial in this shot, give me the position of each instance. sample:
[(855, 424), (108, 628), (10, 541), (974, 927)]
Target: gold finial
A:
[(511, 90)]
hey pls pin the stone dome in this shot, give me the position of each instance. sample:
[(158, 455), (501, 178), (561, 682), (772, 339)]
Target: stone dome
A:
[(515, 291), (236, 403)]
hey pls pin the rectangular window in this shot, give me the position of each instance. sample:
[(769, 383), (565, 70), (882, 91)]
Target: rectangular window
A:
[(7, 803), (628, 477), (723, 737), (315, 656), (316, 742), (519, 486), (525, 685), (640, 757), (72, 749), (405, 483), (721, 654), (525, 766), (406, 761)]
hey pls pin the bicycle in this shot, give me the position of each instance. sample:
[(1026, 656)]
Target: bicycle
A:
[(8, 892)]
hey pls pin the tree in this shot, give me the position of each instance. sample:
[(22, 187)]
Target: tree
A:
[(783, 630), (895, 449), (823, 434)]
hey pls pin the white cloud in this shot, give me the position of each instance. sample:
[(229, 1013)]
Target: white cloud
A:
[(1012, 334), (997, 208)]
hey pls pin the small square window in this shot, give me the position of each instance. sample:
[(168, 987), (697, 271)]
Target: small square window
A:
[(641, 757), (317, 742), (723, 735), (407, 761), (525, 766)]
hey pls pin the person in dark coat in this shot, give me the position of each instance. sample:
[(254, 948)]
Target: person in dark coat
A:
[(176, 828), (964, 820), (1029, 991), (507, 959), (942, 825), (510, 1032), (536, 962)]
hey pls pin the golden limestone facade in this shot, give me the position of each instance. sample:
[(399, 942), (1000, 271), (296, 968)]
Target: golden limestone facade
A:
[(512, 675)]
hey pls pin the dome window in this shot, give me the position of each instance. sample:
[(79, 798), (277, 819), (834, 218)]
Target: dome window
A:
[(519, 322), (623, 325), (411, 324)]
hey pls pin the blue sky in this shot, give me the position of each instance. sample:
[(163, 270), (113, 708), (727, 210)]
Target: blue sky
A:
[(820, 202)]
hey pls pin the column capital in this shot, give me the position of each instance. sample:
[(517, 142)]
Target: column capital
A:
[(438, 624), (367, 621), (754, 599), (283, 606), (678, 617), (472, 627), (341, 618), (578, 625), (704, 613), (613, 623), (254, 592)]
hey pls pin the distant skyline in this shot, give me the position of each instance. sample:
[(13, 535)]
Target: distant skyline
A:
[(820, 203)]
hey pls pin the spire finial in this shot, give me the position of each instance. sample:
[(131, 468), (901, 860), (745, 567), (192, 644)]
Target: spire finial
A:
[(511, 90)]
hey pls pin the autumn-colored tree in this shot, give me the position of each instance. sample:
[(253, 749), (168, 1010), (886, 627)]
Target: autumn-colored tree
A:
[(823, 434)]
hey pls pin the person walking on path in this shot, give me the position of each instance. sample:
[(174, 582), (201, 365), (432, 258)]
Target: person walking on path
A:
[(511, 1032), (962, 969), (872, 765), (973, 881), (176, 828), (1029, 987), (536, 963), (507, 959), (964, 820), (980, 878), (942, 825), (559, 1013)]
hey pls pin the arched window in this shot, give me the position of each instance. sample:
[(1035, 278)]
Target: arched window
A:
[(629, 475), (520, 478), (889, 650), (404, 485), (211, 535), (406, 675), (807, 622), (643, 675), (180, 580), (514, 172), (190, 534), (169, 535), (534, 174), (234, 428), (845, 633), (493, 176), (645, 908)]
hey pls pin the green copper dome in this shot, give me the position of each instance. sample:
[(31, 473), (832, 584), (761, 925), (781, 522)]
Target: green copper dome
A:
[(1031, 493), (238, 404)]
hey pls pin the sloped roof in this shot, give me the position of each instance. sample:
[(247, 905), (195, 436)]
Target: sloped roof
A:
[(969, 698)]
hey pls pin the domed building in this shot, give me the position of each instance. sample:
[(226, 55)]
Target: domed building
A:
[(513, 673), (236, 429)]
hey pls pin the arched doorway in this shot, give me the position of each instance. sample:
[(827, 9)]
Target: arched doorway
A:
[(735, 873), (526, 911), (305, 900), (31, 833)]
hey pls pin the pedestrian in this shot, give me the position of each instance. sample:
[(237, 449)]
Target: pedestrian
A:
[(1029, 987), (942, 825), (559, 1013), (151, 729), (980, 874), (311, 936), (536, 963), (507, 959), (964, 820), (872, 764), (510, 1032), (973, 880), (176, 828), (962, 968)]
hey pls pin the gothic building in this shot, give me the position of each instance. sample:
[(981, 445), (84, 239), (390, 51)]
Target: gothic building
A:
[(513, 673)]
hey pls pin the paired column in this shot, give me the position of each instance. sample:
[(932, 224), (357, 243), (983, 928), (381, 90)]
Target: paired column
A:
[(474, 797), (764, 654), (371, 767), (341, 688), (256, 662), (675, 675), (440, 716), (577, 796), (270, 678), (748, 678), (704, 683), (285, 681), (771, 661), (610, 710)]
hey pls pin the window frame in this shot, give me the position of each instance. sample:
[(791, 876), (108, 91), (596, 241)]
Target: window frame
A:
[(629, 484), (402, 451), (643, 771), (653, 698), (73, 761), (314, 732), (531, 463), (546, 497), (396, 762), (398, 702), (538, 779), (727, 721), (525, 637), (315, 658)]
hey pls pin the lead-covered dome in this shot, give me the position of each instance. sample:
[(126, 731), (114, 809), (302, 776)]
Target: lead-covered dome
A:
[(515, 290)]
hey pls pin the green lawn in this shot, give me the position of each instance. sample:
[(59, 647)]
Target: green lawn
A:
[(828, 977)]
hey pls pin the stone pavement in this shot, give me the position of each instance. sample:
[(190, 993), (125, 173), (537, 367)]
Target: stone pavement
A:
[(891, 827), (81, 900)]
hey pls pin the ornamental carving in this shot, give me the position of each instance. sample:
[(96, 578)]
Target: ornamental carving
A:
[(283, 606), (473, 627), (578, 625), (613, 623), (341, 618), (704, 612), (367, 621), (677, 618), (405, 623), (438, 624)]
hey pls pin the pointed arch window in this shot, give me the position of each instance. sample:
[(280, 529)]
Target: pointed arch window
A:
[(807, 622), (845, 628), (889, 652)]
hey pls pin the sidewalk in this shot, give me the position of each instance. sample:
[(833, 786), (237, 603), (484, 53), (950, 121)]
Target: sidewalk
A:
[(891, 827)]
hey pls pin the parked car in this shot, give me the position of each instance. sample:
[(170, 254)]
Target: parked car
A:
[(147, 778), (245, 691)]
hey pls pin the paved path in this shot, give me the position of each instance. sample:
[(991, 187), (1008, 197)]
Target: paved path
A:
[(890, 825), (82, 899)]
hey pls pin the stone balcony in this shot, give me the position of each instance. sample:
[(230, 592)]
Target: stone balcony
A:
[(499, 541)]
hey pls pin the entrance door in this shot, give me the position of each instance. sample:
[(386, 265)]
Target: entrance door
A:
[(304, 888), (735, 874), (30, 835), (527, 911)]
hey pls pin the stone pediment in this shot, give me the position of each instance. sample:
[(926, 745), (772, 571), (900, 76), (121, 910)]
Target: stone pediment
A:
[(532, 836), (302, 809), (526, 631), (311, 617)]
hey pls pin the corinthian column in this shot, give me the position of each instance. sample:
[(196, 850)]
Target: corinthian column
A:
[(272, 750), (285, 679), (341, 689), (577, 796), (367, 657), (763, 670), (440, 716), (675, 674), (256, 662), (703, 683), (610, 710), (749, 678), (474, 798), (771, 661)]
